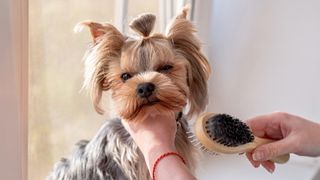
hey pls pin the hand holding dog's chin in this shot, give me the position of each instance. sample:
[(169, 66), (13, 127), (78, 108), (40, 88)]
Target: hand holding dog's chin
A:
[(154, 135)]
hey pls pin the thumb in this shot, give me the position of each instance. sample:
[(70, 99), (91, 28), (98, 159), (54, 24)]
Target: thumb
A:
[(269, 151)]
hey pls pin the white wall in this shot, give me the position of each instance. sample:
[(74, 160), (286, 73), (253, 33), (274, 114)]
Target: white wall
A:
[(265, 57)]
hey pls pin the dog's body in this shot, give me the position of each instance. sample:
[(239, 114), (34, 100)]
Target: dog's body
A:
[(147, 75), (112, 155)]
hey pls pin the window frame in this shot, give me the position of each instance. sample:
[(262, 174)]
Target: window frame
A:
[(15, 92)]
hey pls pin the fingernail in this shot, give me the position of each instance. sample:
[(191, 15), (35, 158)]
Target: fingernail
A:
[(257, 156), (257, 165), (270, 171)]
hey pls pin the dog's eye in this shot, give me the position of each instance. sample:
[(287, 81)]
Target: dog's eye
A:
[(165, 68), (125, 76)]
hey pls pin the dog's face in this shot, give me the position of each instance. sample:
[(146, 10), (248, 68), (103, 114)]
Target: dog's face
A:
[(147, 74), (149, 78)]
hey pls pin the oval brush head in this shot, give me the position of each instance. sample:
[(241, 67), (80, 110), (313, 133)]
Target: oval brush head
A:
[(225, 134), (231, 132)]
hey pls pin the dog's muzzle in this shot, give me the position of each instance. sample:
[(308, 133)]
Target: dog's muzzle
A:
[(145, 90)]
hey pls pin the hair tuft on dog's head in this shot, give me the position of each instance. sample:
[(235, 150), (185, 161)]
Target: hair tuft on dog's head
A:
[(143, 24)]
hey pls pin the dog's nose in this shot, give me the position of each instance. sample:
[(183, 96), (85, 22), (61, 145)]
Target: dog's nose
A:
[(145, 90)]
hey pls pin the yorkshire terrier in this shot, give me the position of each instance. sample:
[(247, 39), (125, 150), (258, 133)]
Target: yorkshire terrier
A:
[(146, 74)]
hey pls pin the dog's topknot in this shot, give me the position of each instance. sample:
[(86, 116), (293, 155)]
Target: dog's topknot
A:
[(143, 24)]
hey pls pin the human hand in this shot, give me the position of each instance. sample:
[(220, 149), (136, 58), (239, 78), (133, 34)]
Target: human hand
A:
[(294, 134), (154, 135)]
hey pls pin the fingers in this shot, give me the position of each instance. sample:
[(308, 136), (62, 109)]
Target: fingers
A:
[(272, 150), (268, 165), (130, 127), (254, 163), (259, 124), (270, 125)]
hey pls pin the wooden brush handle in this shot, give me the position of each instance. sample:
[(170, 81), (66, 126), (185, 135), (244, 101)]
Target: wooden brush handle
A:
[(279, 159)]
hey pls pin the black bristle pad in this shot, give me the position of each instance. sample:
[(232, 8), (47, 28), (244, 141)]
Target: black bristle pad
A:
[(228, 131)]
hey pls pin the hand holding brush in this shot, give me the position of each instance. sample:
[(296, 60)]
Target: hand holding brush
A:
[(294, 134), (265, 139)]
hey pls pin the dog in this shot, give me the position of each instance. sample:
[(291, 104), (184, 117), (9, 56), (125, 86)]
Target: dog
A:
[(146, 74)]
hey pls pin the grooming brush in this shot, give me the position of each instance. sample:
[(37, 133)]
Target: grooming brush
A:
[(222, 133)]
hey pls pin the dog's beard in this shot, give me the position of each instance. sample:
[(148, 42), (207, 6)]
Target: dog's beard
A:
[(167, 96)]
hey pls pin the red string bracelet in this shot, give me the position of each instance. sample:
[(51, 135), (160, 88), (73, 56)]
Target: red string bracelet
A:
[(161, 157)]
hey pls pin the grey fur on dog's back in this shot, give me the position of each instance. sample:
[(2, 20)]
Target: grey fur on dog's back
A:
[(112, 155), (101, 160)]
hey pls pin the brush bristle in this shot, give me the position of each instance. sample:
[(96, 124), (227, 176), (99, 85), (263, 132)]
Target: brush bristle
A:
[(196, 143), (228, 131)]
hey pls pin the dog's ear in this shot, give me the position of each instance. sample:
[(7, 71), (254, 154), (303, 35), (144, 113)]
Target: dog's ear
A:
[(96, 29), (104, 52), (181, 34)]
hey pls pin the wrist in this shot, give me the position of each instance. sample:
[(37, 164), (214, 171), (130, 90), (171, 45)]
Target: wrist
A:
[(154, 151)]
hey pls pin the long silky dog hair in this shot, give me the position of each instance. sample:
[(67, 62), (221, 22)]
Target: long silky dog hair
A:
[(146, 74)]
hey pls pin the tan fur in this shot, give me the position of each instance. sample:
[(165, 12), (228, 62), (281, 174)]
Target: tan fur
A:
[(181, 33), (100, 58), (143, 24), (179, 48), (112, 152)]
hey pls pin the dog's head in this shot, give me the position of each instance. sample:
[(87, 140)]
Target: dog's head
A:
[(151, 73)]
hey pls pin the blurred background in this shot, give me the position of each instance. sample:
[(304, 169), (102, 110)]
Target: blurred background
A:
[(265, 57)]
